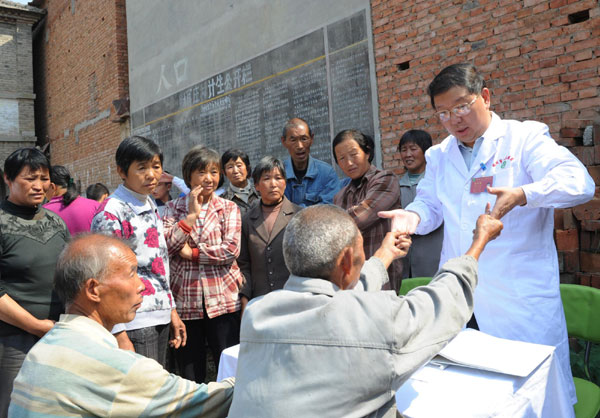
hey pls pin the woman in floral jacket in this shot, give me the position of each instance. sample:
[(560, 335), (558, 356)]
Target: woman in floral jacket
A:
[(131, 214), (203, 236)]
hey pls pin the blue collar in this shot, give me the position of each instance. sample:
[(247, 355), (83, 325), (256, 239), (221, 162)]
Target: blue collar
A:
[(311, 170)]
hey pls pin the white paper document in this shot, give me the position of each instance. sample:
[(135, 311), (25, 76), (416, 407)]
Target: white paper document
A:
[(475, 349)]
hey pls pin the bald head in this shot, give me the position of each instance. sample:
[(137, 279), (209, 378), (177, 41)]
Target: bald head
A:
[(86, 256), (315, 237)]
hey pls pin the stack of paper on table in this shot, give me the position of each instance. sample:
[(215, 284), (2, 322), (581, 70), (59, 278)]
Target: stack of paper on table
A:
[(477, 350)]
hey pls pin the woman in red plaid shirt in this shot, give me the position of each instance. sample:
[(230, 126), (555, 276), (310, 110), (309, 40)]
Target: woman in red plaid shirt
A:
[(203, 236)]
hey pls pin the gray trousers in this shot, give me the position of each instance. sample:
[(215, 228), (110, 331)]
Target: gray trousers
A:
[(151, 342), (13, 349)]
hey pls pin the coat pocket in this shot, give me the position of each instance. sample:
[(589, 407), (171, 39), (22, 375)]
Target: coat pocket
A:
[(504, 177)]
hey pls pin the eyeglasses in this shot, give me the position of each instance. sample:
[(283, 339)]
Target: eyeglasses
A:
[(459, 110)]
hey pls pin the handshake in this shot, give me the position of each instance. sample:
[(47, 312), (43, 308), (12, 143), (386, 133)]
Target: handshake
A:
[(404, 223)]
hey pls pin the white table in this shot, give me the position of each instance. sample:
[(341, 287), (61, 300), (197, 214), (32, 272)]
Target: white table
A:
[(228, 362), (467, 393)]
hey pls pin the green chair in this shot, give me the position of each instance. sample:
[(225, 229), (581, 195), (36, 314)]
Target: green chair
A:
[(580, 304), (409, 284)]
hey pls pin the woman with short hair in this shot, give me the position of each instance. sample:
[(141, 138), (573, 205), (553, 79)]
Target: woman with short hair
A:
[(31, 238), (369, 191), (261, 257), (203, 237), (423, 258), (240, 190), (130, 213), (75, 210)]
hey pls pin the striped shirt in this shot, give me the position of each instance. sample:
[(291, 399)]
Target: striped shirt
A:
[(77, 369)]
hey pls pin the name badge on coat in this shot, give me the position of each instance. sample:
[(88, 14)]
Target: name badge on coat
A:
[(479, 184)]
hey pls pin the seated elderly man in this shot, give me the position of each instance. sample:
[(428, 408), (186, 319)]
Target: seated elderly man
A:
[(321, 347), (77, 368)]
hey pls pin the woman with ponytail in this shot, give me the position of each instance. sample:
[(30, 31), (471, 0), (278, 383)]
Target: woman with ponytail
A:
[(76, 211)]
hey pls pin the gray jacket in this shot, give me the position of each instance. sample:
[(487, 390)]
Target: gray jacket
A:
[(423, 258), (311, 350)]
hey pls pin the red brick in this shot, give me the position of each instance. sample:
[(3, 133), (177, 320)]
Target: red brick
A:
[(588, 211), (566, 240), (585, 154), (590, 225), (594, 171), (589, 240), (585, 279), (558, 219), (590, 262), (570, 133), (596, 155), (569, 221), (570, 261)]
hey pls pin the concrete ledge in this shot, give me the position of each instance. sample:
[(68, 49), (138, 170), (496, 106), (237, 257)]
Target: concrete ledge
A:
[(17, 95), (17, 138)]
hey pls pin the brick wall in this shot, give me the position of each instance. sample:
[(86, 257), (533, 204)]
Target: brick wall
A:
[(17, 127), (81, 68), (542, 59)]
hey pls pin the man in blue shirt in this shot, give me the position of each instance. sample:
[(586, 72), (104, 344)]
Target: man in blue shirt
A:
[(309, 181)]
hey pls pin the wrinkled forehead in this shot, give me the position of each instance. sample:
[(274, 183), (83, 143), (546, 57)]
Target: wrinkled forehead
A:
[(120, 257), (299, 129)]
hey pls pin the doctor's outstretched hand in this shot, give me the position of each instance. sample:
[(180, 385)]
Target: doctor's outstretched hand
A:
[(506, 199), (403, 221)]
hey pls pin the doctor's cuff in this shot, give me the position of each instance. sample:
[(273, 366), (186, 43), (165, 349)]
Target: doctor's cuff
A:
[(533, 196)]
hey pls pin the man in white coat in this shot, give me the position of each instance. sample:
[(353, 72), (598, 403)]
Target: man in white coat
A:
[(524, 174)]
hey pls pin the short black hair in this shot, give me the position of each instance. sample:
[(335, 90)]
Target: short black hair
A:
[(61, 177), (292, 123), (266, 165), (96, 191), (234, 154), (364, 141), (456, 75), (198, 158), (25, 157), (136, 148), (418, 137)]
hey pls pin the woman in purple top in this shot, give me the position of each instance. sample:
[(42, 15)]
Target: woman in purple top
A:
[(76, 211)]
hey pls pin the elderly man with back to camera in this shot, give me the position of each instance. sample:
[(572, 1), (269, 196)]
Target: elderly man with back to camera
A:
[(330, 344)]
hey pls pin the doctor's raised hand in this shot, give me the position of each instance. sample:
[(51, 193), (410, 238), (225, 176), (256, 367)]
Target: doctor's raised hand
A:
[(506, 199), (403, 221)]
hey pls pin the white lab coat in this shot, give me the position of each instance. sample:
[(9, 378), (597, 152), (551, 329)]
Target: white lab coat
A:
[(518, 295)]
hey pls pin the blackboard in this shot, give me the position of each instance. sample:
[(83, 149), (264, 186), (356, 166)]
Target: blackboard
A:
[(323, 77)]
